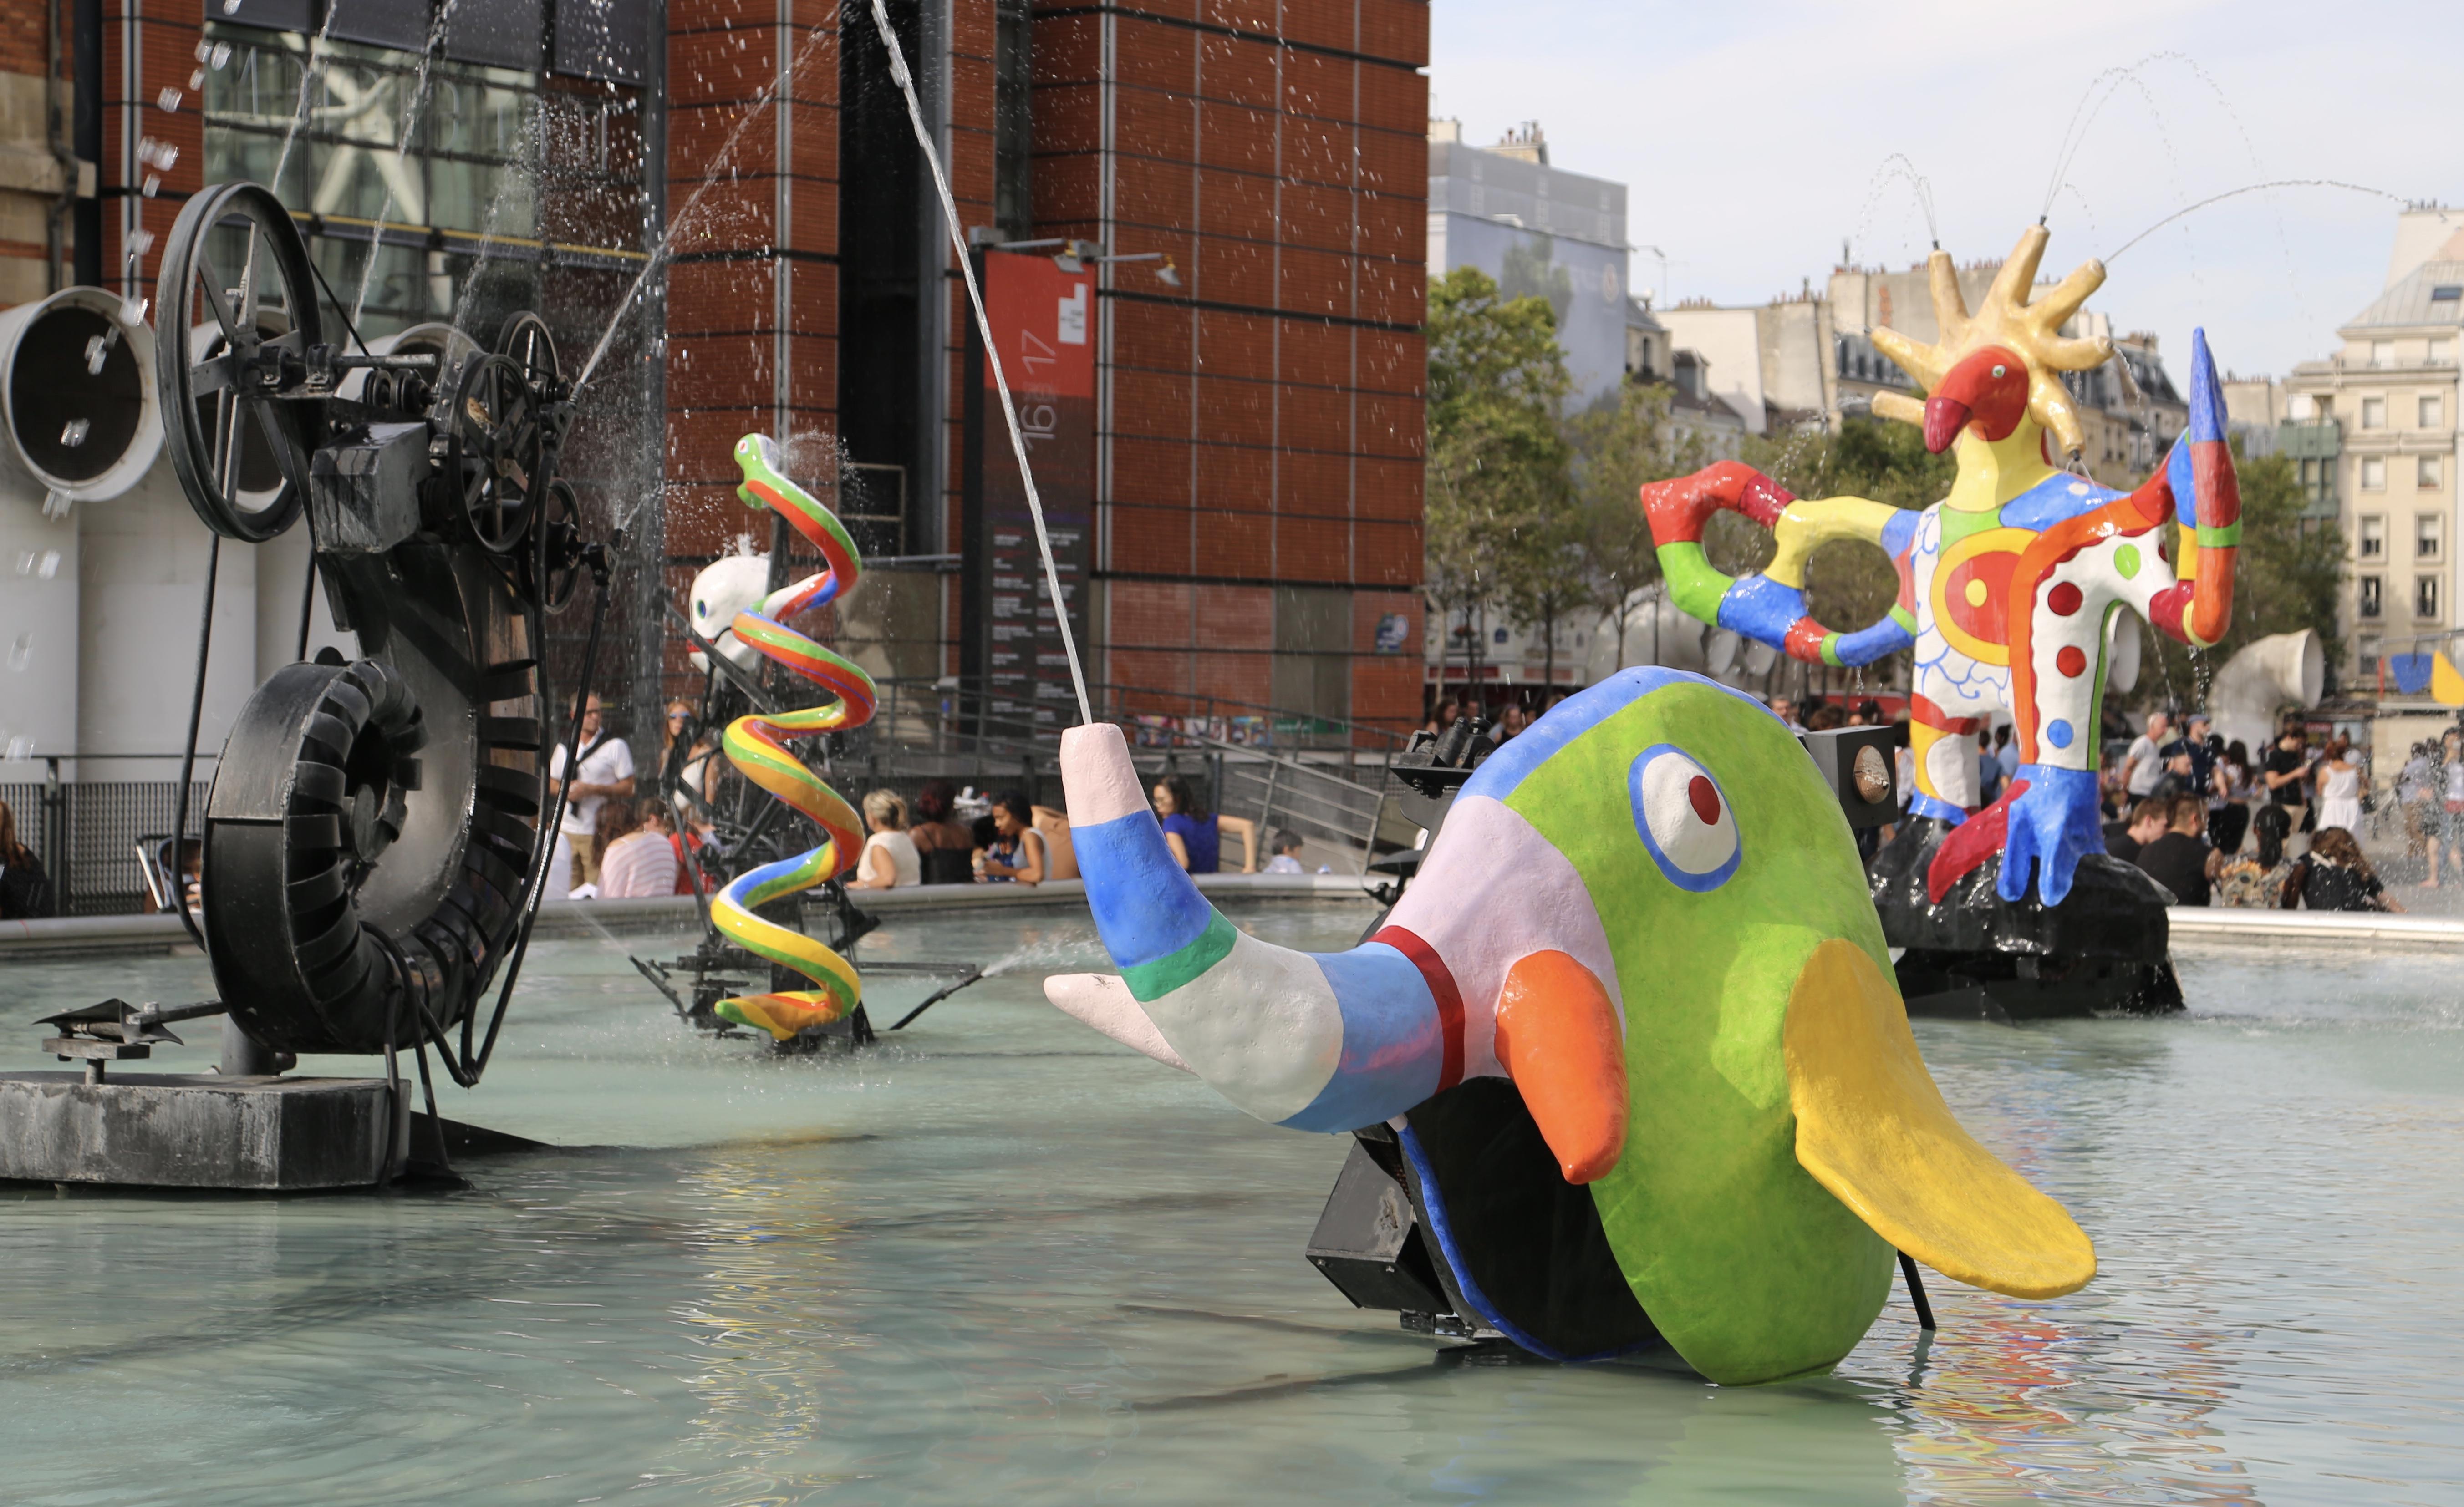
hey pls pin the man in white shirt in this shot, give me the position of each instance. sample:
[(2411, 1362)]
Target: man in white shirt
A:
[(2143, 766), (606, 770)]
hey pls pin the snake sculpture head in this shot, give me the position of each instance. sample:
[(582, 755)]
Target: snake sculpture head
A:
[(1646, 915)]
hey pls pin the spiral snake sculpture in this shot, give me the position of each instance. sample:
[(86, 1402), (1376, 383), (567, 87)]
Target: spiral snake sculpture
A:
[(754, 745)]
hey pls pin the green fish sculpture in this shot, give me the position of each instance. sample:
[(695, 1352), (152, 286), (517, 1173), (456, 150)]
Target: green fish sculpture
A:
[(1645, 920)]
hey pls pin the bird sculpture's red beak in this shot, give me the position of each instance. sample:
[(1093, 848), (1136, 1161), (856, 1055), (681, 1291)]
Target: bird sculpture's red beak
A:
[(1944, 418)]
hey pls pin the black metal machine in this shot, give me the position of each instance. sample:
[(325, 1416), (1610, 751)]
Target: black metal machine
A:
[(376, 837)]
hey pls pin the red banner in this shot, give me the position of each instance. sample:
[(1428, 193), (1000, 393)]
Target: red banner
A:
[(1043, 331)]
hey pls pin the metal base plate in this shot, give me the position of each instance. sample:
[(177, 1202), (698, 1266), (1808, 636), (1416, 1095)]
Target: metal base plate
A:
[(182, 1130)]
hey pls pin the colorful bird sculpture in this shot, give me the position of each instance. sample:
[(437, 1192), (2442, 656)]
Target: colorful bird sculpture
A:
[(2009, 584)]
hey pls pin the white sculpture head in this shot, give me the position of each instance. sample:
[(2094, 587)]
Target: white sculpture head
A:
[(724, 588)]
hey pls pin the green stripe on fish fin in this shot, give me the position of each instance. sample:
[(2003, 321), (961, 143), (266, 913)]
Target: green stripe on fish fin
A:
[(1153, 980)]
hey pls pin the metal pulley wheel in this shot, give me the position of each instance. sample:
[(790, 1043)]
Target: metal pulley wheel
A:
[(551, 563), (496, 458), (237, 308), (526, 342)]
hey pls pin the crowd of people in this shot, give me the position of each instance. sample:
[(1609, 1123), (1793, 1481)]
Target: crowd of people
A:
[(614, 845), (2204, 817), (2217, 825)]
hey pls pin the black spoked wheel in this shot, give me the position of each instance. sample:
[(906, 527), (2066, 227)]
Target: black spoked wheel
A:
[(526, 342), (237, 313), (495, 451), (551, 566)]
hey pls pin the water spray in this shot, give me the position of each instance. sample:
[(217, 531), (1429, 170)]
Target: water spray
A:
[(2236, 193)]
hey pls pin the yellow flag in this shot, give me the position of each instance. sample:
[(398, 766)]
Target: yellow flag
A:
[(2445, 685)]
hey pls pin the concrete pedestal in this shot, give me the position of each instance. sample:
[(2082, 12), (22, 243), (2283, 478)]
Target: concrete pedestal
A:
[(179, 1130)]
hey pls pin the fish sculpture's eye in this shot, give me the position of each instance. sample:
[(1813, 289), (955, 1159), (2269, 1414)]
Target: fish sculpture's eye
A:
[(1684, 817)]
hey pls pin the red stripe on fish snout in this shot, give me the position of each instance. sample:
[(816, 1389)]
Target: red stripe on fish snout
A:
[(1441, 988)]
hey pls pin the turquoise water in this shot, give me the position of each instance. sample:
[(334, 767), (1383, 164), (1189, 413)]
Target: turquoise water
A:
[(1000, 1259)]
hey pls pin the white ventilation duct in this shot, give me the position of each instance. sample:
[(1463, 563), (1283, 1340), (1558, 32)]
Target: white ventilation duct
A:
[(2284, 670), (1657, 632), (84, 421), (84, 424)]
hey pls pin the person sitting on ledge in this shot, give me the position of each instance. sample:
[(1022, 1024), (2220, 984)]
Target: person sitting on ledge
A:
[(2177, 858), (25, 889), (1286, 845), (1195, 837), (641, 864), (2149, 821), (1017, 850), (945, 849), (2335, 876), (2254, 881), (889, 857)]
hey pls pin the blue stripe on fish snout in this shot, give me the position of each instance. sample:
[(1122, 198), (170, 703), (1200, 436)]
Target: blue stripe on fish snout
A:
[(1145, 906), (1393, 1044)]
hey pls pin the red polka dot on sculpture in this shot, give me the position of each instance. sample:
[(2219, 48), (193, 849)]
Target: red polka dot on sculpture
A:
[(1705, 798), (2064, 598), (2072, 661)]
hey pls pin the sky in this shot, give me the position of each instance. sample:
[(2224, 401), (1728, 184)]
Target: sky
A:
[(1753, 137)]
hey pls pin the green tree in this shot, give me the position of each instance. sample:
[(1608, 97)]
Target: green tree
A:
[(1619, 448), (2288, 574), (1496, 457)]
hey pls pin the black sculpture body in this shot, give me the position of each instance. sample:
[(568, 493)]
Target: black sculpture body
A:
[(375, 836)]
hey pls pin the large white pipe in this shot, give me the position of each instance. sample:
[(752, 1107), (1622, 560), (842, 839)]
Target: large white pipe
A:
[(82, 421), (1659, 632), (2283, 669)]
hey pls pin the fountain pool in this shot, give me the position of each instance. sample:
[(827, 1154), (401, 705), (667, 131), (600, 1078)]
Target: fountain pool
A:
[(1000, 1259)]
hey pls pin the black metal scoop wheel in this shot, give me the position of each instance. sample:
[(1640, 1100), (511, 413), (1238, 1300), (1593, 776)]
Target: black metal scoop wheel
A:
[(343, 899)]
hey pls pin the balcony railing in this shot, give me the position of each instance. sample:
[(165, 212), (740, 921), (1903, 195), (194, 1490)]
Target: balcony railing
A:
[(2310, 439)]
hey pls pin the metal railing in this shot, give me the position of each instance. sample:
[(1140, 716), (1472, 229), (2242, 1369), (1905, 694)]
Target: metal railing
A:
[(1323, 777), (86, 834)]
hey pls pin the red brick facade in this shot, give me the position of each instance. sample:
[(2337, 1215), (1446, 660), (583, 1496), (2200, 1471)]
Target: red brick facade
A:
[(1263, 420), (1259, 426)]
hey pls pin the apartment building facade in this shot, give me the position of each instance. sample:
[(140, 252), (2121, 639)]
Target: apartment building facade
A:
[(2374, 433)]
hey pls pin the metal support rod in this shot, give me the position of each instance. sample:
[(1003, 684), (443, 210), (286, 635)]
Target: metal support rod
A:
[(1916, 1291), (243, 1055)]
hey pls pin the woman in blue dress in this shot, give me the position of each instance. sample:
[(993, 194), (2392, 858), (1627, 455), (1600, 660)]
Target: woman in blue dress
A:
[(1195, 837)]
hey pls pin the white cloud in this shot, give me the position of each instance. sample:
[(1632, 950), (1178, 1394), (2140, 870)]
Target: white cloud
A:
[(1754, 137)]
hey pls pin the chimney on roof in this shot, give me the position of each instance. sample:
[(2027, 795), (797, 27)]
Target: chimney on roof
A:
[(1447, 129), (1525, 143)]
